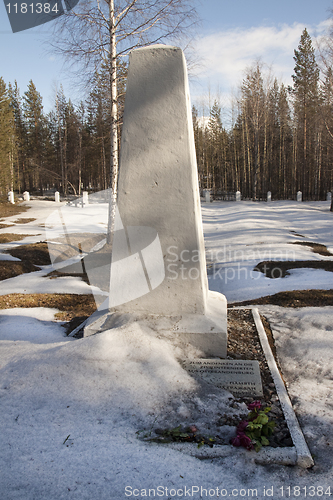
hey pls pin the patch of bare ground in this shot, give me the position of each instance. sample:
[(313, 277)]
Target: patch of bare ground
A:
[(10, 269), (316, 247), (2, 226), (280, 269), (71, 306), (37, 253), (244, 343), (24, 220), (8, 209), (31, 257), (294, 298), (9, 237)]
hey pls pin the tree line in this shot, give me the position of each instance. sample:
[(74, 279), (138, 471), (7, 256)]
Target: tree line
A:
[(281, 138), (66, 149)]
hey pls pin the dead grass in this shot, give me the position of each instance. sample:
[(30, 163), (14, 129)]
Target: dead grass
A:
[(10, 269), (30, 256), (8, 209), (24, 220), (69, 305), (279, 269), (294, 298), (316, 247), (9, 237), (38, 253), (2, 226)]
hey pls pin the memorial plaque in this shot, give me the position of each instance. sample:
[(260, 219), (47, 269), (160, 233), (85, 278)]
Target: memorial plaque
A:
[(241, 377)]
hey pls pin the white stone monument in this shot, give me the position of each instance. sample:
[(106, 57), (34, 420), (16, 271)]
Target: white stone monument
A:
[(207, 196), (238, 196), (57, 197), (26, 196), (329, 196), (11, 197), (158, 189), (269, 196), (299, 195)]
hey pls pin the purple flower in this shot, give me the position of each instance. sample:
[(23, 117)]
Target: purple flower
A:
[(242, 426), (256, 405), (242, 440)]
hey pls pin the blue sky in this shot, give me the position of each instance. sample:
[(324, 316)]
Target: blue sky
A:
[(233, 34)]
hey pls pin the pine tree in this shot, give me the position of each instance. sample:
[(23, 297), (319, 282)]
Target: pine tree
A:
[(253, 109), (35, 126), (7, 140), (217, 149), (305, 92)]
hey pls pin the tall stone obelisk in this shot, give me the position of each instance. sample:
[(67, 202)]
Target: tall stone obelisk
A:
[(158, 189)]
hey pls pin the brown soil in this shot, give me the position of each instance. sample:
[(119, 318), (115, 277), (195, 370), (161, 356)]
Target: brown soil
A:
[(316, 247), (9, 237), (31, 256), (10, 269), (2, 226), (24, 220), (244, 343), (71, 306), (37, 253), (279, 269), (8, 209), (294, 298)]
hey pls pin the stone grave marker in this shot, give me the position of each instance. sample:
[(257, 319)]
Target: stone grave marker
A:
[(241, 377), (207, 196), (85, 200), (299, 195), (11, 197), (238, 196), (26, 196), (57, 197), (159, 201)]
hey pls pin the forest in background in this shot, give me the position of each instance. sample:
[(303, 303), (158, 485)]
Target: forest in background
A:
[(280, 139)]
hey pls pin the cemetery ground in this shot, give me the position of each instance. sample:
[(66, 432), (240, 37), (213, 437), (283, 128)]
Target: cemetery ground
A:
[(71, 408)]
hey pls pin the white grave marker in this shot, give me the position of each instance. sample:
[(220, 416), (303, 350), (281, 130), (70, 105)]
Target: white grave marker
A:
[(299, 195), (85, 198), (57, 197), (269, 196), (26, 196), (11, 197), (158, 189), (238, 196)]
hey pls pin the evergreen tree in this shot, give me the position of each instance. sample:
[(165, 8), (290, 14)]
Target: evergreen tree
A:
[(35, 126), (217, 150), (20, 136), (253, 109), (305, 93), (7, 140)]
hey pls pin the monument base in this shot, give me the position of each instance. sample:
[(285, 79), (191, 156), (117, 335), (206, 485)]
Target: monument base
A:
[(205, 332)]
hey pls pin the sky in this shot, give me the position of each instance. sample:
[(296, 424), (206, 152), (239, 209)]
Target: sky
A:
[(232, 35)]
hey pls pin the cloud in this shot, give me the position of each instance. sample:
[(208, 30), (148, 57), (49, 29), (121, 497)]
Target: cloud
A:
[(224, 56)]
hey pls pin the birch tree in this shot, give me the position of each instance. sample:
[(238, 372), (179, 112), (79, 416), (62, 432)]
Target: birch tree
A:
[(100, 32)]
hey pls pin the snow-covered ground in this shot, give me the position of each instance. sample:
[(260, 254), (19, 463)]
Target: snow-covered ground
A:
[(70, 409)]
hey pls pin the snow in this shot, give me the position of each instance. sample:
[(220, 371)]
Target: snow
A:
[(4, 256), (240, 235), (70, 409)]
